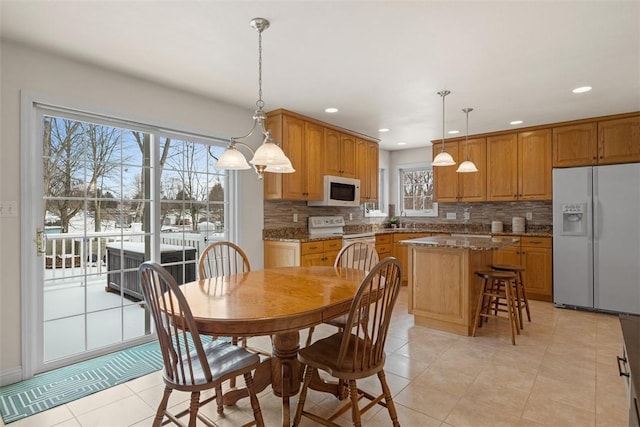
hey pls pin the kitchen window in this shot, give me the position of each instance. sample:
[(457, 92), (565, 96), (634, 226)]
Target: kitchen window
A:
[(416, 192)]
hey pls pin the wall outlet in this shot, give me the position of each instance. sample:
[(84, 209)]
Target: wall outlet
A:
[(295, 217), (529, 216), (350, 216), (8, 209), (451, 215)]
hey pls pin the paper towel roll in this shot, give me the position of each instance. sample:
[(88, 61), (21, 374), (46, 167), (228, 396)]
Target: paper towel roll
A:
[(517, 224), (496, 226)]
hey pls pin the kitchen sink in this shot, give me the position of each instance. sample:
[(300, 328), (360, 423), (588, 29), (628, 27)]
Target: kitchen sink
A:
[(483, 236)]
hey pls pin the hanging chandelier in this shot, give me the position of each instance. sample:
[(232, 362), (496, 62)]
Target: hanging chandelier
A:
[(467, 165), (269, 157), (443, 158)]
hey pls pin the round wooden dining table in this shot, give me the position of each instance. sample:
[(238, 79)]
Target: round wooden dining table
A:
[(278, 302)]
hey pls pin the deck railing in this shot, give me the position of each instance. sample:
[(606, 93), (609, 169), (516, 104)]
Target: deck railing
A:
[(68, 253)]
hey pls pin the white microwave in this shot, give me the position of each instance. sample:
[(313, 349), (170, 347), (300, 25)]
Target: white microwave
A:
[(338, 191)]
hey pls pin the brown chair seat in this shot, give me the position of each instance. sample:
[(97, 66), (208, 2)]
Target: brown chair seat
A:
[(357, 351), (205, 367)]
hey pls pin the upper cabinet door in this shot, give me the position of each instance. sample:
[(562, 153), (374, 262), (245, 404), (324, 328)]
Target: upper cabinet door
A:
[(314, 160), (332, 156), (472, 186), (294, 184), (348, 167), (373, 169), (534, 164), (575, 145), (619, 140), (367, 165), (445, 177), (340, 154), (502, 167)]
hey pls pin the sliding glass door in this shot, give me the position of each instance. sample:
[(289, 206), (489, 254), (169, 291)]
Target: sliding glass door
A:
[(107, 196)]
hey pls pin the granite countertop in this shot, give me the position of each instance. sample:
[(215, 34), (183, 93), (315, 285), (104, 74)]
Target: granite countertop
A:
[(463, 242), (301, 235)]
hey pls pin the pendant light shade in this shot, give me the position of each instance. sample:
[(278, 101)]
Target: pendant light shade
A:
[(269, 154), (443, 158), (269, 157), (232, 159), (467, 166)]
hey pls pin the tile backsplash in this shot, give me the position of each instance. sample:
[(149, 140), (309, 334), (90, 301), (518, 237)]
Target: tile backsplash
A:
[(280, 214)]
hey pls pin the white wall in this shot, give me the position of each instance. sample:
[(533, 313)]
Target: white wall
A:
[(40, 73)]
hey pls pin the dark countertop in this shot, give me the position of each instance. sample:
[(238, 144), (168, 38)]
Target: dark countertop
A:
[(301, 235), (631, 335), (463, 242)]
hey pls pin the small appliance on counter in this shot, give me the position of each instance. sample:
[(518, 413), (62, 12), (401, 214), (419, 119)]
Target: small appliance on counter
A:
[(496, 227), (517, 224)]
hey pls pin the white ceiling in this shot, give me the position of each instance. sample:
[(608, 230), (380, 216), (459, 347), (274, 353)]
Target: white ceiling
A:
[(380, 62)]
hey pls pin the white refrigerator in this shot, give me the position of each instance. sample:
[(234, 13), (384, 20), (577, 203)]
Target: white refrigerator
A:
[(596, 237)]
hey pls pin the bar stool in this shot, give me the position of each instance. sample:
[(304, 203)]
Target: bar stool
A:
[(521, 292), (497, 286)]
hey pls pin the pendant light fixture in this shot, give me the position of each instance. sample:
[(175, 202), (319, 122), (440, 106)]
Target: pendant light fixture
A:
[(269, 157), (467, 165), (443, 158)]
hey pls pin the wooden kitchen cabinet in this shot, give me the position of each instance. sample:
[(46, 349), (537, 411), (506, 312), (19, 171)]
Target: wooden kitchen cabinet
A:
[(367, 161), (305, 254), (315, 149), (451, 186), (303, 143), (384, 245), (400, 251), (575, 145), (619, 140), (519, 166), (321, 253), (339, 154), (535, 255), (597, 143)]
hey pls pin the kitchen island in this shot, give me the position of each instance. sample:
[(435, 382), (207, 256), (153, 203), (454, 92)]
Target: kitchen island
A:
[(443, 289)]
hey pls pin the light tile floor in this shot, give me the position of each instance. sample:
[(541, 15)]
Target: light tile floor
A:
[(562, 372)]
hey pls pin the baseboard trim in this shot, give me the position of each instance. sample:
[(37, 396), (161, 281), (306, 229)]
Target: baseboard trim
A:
[(10, 376)]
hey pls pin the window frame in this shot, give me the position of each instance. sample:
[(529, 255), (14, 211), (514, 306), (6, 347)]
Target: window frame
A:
[(400, 199)]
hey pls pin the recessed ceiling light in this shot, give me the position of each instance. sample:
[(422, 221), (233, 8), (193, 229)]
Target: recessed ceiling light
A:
[(516, 122), (582, 89), (331, 110), (453, 132), (383, 130), (402, 143)]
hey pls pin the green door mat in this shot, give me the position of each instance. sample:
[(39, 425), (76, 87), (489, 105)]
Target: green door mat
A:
[(63, 385)]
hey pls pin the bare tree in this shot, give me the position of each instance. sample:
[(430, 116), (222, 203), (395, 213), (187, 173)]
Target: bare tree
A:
[(102, 143), (63, 161)]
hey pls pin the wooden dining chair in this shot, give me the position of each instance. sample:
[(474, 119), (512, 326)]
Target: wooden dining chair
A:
[(357, 255), (221, 259), (190, 365), (358, 351)]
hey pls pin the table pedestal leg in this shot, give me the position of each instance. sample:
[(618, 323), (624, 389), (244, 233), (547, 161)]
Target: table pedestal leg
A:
[(285, 370)]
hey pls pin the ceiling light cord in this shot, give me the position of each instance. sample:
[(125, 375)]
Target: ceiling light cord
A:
[(268, 157), (443, 158)]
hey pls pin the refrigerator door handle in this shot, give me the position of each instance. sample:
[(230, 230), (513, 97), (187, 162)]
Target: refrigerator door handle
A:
[(596, 223), (592, 226)]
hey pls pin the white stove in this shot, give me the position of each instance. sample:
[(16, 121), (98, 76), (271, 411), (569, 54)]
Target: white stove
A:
[(326, 226), (330, 226)]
